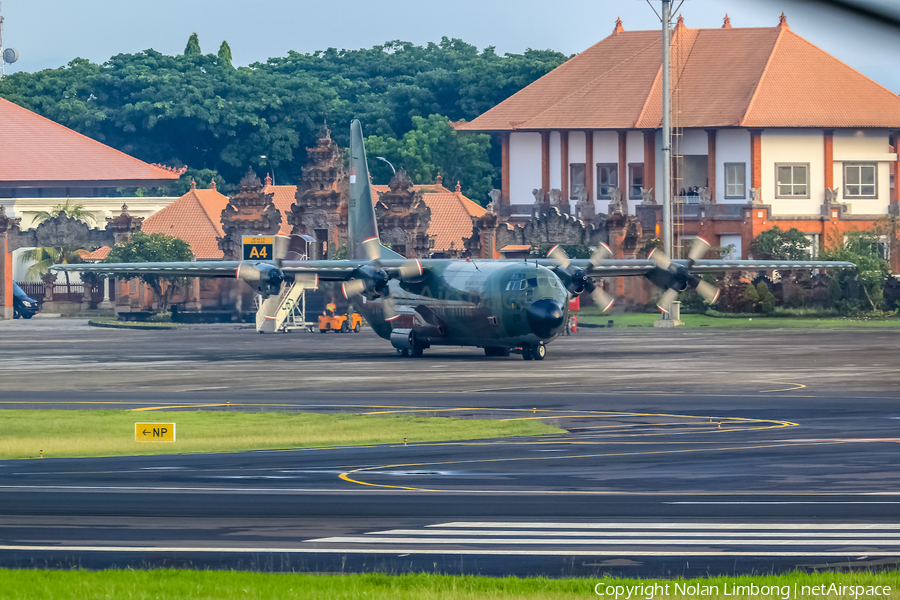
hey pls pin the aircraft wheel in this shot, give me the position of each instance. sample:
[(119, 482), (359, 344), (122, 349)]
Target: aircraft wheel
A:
[(417, 351), (539, 352), (402, 352), (527, 352)]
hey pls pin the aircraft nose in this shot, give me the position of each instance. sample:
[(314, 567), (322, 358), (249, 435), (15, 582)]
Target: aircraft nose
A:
[(545, 316)]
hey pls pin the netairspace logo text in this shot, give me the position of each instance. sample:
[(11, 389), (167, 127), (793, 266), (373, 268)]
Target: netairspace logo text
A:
[(784, 592)]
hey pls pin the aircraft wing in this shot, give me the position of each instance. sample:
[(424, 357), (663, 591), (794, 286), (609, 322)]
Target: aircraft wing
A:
[(326, 270), (638, 267)]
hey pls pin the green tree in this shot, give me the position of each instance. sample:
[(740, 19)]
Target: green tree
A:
[(72, 209), (433, 147), (195, 109), (154, 247), (47, 256), (193, 46), (777, 244), (864, 285), (224, 54), (887, 229)]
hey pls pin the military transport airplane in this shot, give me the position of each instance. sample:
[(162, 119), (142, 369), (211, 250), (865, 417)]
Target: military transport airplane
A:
[(498, 305)]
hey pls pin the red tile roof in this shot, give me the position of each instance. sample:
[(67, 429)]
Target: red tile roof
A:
[(451, 214), (97, 255), (196, 218), (749, 77), (38, 151)]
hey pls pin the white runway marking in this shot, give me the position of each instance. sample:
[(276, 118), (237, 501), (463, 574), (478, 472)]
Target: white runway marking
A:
[(566, 541), (638, 525), (624, 534), (419, 551), (640, 539)]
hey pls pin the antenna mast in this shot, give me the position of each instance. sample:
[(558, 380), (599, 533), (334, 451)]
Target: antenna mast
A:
[(2, 60)]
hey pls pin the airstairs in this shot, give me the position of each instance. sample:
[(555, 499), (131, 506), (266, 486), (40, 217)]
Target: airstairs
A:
[(286, 311)]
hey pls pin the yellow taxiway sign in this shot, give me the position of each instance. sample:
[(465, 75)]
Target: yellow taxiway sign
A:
[(154, 432)]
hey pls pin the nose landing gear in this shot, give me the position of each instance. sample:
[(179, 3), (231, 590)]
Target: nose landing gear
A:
[(535, 352)]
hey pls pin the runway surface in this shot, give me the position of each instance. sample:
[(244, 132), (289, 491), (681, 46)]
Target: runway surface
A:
[(689, 452)]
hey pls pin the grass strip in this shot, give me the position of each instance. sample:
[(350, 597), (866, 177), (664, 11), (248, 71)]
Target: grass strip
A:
[(224, 585), (114, 323), (79, 433), (756, 322)]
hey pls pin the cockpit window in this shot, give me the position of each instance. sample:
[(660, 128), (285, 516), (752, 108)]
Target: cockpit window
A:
[(523, 284), (543, 282), (532, 282), (511, 285)]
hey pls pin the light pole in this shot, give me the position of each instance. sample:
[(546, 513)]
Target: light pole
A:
[(666, 133), (383, 159), (268, 164)]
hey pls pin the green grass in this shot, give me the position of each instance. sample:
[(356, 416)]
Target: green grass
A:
[(117, 324), (755, 322), (68, 433), (225, 585)]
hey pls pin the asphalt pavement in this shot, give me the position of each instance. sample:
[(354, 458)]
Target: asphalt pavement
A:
[(688, 452)]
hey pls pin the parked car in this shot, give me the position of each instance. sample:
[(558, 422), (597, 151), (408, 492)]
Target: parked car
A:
[(23, 306)]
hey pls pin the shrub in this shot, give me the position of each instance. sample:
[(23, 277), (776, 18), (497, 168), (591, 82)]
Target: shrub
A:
[(766, 297), (751, 298)]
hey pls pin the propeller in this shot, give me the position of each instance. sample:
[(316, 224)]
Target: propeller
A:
[(371, 280), (266, 279), (576, 279), (675, 278)]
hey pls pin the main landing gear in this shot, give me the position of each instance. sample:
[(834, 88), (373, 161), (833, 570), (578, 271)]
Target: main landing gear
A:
[(535, 352), (415, 352)]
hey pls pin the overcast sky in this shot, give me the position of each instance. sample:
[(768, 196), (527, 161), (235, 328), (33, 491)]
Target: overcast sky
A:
[(50, 33)]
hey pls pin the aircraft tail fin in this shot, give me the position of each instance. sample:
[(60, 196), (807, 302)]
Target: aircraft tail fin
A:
[(361, 212)]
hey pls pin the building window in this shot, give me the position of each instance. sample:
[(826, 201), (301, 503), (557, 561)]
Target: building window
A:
[(576, 180), (735, 180), (792, 180), (636, 177), (607, 179), (860, 180)]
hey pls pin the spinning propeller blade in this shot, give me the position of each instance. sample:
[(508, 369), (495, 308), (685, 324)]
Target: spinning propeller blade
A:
[(677, 278), (667, 299), (698, 249), (602, 299), (600, 254), (387, 305), (659, 257), (576, 280), (373, 249), (559, 255), (280, 246), (353, 287), (708, 291)]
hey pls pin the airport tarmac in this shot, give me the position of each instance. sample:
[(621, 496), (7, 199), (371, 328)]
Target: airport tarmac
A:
[(689, 452)]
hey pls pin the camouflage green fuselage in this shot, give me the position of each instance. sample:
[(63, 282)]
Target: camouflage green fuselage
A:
[(470, 303)]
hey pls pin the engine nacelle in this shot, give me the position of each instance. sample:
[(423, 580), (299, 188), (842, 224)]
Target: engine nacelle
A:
[(265, 279), (403, 339)]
